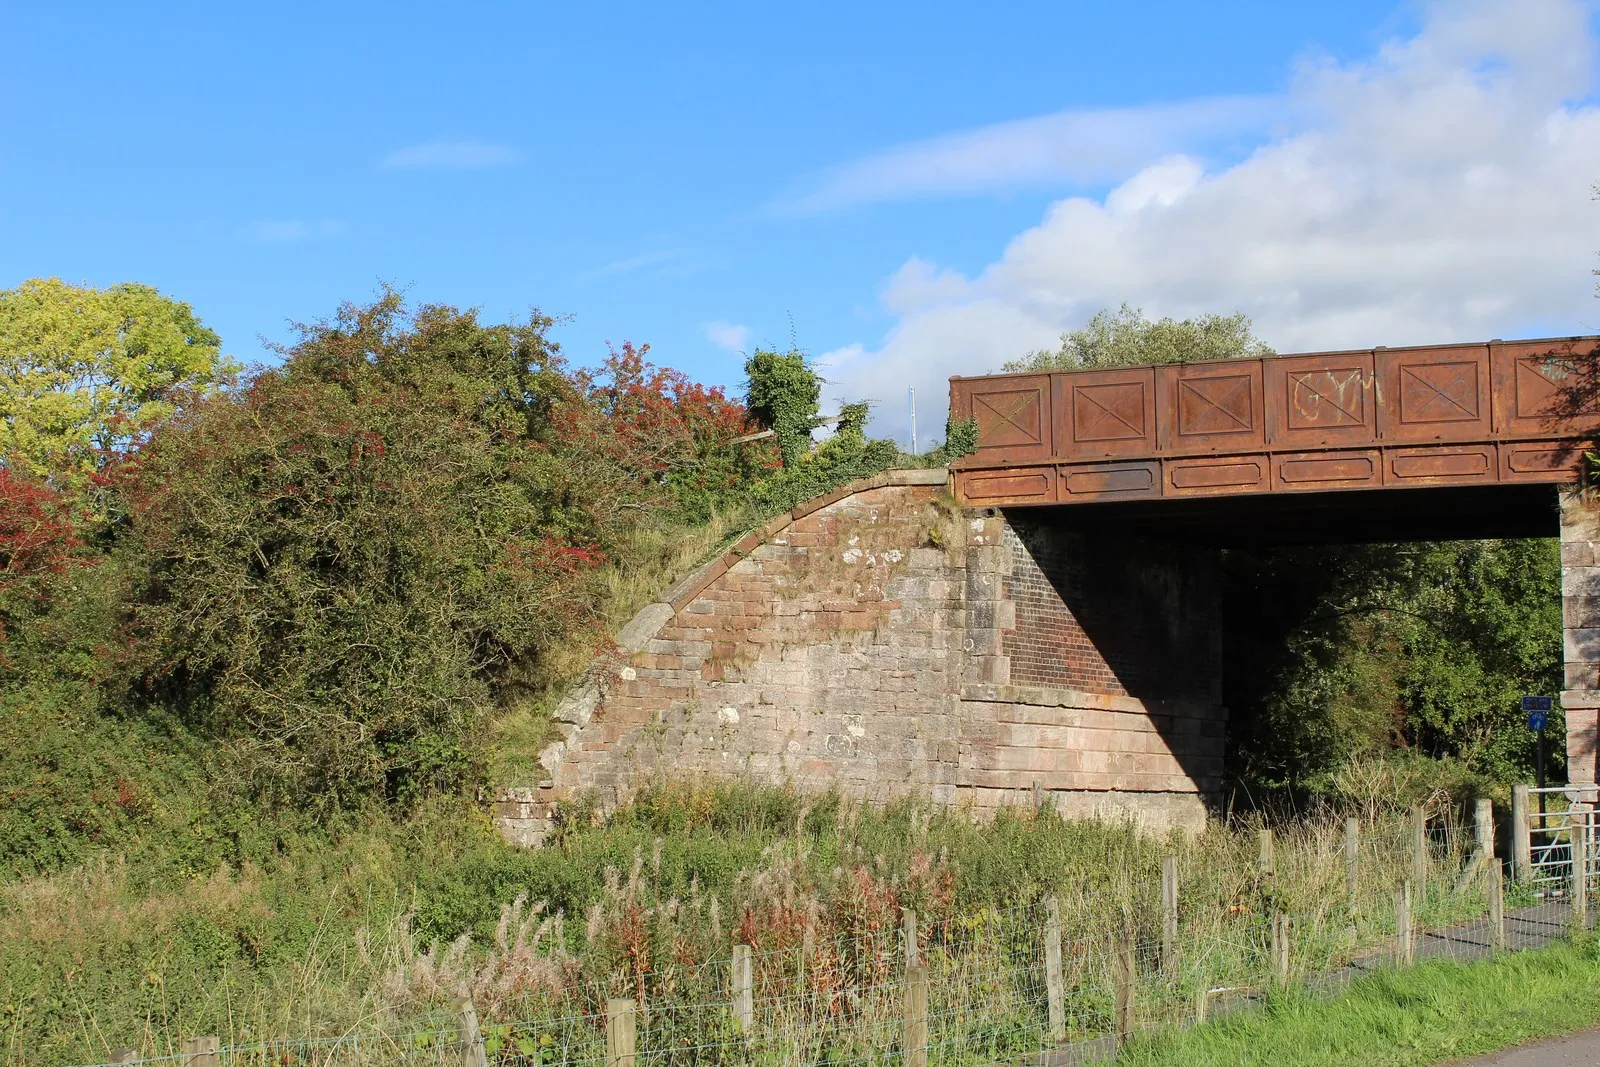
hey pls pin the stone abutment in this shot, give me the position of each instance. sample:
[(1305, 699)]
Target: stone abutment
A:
[(881, 642)]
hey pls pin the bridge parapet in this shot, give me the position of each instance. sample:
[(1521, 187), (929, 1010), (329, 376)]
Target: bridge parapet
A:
[(1442, 415)]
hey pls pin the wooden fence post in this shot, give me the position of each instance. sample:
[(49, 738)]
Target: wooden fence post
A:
[(1124, 998), (1280, 949), (1483, 826), (742, 984), (1579, 834), (1402, 924), (1352, 857), (914, 1042), (1521, 836), (1169, 914), (908, 930), (621, 1031), (1272, 946), (201, 1051), (1497, 907), (1483, 833), (1419, 852), (471, 1036), (1264, 858), (808, 949), (1054, 988), (1482, 856)]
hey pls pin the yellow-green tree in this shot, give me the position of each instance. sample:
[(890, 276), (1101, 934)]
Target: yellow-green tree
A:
[(1126, 338), (85, 370)]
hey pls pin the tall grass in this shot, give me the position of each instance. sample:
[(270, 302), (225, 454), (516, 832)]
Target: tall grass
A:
[(376, 934)]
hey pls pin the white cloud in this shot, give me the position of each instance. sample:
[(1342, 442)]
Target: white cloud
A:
[(452, 155), (1438, 191), (290, 231), (729, 336), (1073, 146)]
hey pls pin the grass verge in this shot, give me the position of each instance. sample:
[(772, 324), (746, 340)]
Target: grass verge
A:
[(1432, 1013)]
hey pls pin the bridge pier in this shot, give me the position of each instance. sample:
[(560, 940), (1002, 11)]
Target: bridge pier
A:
[(1580, 615)]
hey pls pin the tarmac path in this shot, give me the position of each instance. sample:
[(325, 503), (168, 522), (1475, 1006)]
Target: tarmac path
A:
[(1575, 1050), (1525, 928)]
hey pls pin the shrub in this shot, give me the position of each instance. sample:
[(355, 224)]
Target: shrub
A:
[(339, 565), (847, 455), (677, 430), (782, 392)]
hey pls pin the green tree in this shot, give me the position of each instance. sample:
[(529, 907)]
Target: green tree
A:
[(842, 458), (1127, 338), (782, 393), (85, 370), (1348, 651)]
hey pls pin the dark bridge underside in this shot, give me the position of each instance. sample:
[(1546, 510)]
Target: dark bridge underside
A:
[(1282, 444), (1444, 513)]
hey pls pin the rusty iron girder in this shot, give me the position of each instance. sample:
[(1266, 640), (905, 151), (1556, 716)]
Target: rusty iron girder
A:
[(1385, 418)]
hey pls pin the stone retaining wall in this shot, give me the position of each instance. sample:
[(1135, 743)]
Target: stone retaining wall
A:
[(1580, 611), (867, 642)]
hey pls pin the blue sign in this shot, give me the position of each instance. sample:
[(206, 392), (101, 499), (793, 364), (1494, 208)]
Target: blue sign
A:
[(1536, 721), (1543, 704)]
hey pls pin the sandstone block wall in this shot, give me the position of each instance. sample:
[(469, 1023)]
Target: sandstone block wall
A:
[(880, 642), (1580, 610)]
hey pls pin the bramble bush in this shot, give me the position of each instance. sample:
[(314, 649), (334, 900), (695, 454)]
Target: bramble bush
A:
[(333, 575), (341, 563)]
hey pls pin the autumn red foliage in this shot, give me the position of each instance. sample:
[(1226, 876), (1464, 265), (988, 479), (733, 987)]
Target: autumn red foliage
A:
[(671, 433), (39, 538)]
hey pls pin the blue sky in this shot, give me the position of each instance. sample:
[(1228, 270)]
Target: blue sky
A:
[(923, 190)]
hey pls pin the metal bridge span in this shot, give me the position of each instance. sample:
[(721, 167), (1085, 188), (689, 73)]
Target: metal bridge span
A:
[(1496, 415)]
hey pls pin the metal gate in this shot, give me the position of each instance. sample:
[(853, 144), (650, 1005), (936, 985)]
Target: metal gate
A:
[(1569, 816)]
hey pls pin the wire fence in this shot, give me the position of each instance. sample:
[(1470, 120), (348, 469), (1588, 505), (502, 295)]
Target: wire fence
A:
[(1013, 984)]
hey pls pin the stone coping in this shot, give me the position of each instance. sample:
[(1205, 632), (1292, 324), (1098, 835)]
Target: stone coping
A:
[(1052, 697)]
